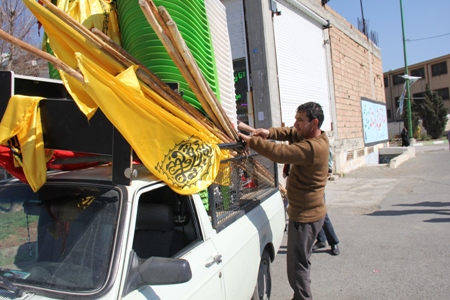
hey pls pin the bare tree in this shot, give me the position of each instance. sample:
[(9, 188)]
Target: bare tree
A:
[(18, 21)]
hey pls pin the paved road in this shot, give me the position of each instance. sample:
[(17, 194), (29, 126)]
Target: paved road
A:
[(393, 225)]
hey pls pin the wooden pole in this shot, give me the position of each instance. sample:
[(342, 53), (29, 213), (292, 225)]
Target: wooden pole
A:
[(160, 87), (60, 65), (126, 60), (145, 75), (176, 58), (174, 35), (159, 18), (160, 23), (164, 18), (170, 42), (86, 33), (197, 75)]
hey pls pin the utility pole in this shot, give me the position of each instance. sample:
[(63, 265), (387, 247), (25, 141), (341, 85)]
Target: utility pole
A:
[(408, 92)]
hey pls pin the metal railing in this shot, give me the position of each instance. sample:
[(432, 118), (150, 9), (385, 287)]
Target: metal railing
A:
[(243, 183)]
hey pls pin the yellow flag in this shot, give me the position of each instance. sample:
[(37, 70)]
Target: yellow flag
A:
[(22, 119), (100, 14), (187, 159), (177, 150), (65, 41)]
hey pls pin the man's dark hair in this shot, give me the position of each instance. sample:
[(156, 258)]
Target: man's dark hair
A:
[(313, 110)]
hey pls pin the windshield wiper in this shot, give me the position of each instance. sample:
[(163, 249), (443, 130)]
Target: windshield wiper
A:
[(5, 283)]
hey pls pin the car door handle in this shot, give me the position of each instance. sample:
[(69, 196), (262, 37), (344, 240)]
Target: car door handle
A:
[(217, 260)]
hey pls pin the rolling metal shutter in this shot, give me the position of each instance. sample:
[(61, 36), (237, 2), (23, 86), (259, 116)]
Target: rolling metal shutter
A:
[(236, 28), (301, 60)]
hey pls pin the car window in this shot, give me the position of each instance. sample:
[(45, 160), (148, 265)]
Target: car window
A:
[(165, 224), (60, 237)]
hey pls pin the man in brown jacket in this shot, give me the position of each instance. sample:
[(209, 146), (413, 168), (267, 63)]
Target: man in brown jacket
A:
[(307, 152)]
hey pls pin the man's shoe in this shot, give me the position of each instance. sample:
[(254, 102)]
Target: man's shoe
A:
[(319, 245), (335, 249)]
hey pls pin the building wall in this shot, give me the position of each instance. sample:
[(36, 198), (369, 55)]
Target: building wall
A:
[(354, 70), (393, 91), (357, 72)]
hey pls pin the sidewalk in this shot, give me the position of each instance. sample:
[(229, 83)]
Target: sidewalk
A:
[(356, 188), (392, 225)]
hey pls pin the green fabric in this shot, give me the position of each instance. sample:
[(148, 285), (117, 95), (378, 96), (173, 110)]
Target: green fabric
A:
[(53, 72)]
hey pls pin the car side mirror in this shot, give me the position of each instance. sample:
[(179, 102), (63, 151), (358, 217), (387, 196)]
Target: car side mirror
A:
[(162, 270)]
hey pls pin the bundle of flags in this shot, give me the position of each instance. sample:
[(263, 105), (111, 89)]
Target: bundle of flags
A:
[(175, 144)]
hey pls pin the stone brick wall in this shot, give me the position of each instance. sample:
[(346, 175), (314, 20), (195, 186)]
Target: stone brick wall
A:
[(357, 73), (356, 69)]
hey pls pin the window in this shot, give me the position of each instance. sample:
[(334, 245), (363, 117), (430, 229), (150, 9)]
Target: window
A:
[(420, 72), (438, 69), (349, 155), (386, 81), (388, 113), (396, 102), (360, 152), (165, 224), (241, 89), (398, 79), (443, 93), (70, 231)]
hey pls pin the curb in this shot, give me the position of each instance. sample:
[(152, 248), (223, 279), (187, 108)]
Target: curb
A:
[(398, 160), (429, 143)]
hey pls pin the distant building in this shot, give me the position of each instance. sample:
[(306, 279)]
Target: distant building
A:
[(434, 72)]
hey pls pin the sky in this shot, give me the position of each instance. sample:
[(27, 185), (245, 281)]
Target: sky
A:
[(424, 21)]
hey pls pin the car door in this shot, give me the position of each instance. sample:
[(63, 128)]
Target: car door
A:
[(206, 282), (263, 225), (205, 263)]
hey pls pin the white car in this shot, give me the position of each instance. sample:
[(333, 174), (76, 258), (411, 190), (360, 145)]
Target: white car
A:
[(82, 237)]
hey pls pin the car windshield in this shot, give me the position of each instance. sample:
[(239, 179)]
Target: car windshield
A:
[(58, 238)]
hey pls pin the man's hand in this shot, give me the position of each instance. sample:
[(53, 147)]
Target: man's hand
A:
[(244, 127), (245, 138), (262, 132)]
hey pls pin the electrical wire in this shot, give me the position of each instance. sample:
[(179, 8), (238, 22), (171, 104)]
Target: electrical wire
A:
[(427, 38)]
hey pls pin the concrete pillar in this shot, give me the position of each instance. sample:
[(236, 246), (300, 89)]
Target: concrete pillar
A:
[(262, 63)]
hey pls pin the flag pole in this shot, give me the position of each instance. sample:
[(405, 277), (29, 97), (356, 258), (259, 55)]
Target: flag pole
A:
[(57, 63), (408, 91)]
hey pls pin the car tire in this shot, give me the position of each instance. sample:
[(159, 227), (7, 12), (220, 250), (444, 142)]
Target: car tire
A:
[(263, 286)]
